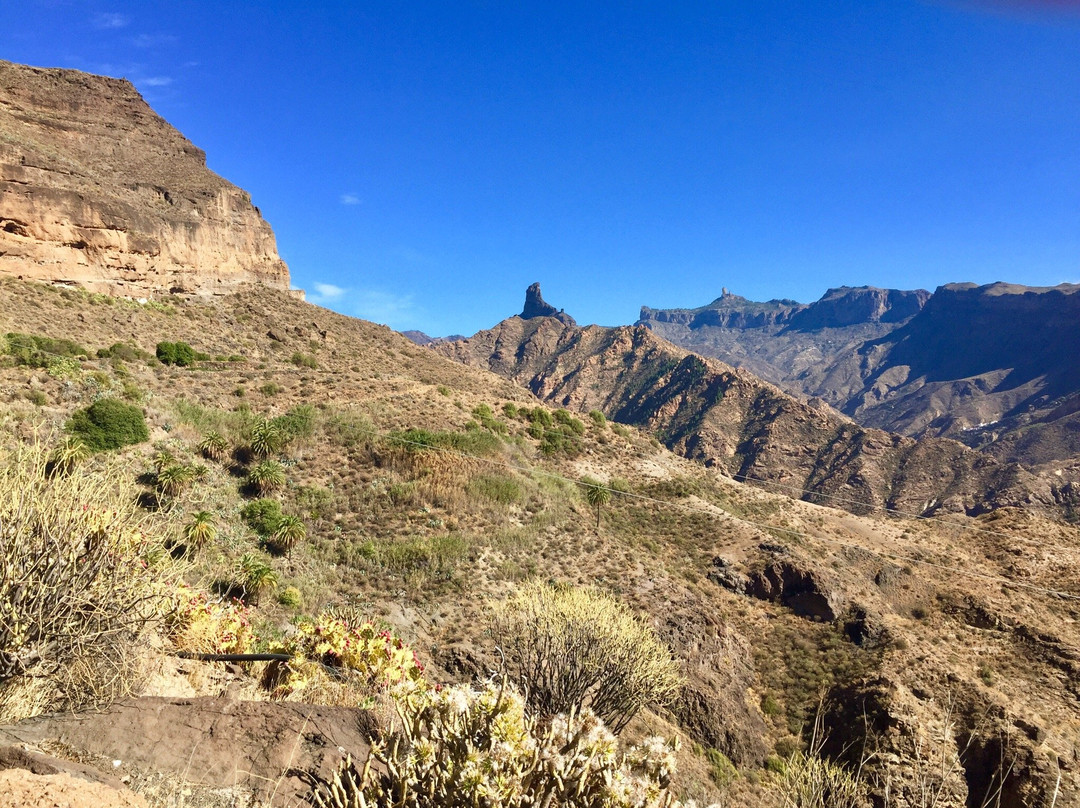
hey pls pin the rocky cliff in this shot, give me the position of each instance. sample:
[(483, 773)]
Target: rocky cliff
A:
[(98, 191)]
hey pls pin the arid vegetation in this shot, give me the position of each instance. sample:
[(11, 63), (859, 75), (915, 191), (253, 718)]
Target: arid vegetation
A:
[(387, 511)]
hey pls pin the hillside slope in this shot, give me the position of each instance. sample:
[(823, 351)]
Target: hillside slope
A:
[(728, 418), (766, 601)]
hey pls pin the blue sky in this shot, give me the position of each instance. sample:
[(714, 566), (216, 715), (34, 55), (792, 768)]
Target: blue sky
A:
[(422, 163)]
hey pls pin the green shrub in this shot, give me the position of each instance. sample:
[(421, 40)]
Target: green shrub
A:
[(38, 352), (123, 351), (299, 422), (304, 360), (573, 648), (488, 420), (175, 353), (721, 769), (290, 598), (263, 516), (476, 442), (495, 487), (598, 418), (109, 423)]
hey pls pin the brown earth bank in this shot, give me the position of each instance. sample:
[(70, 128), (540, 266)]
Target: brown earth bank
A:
[(98, 191), (727, 418)]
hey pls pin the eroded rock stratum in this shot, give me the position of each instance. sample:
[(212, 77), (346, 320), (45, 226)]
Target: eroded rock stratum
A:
[(98, 191)]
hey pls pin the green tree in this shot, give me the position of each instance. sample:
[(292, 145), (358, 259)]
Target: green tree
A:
[(257, 578), (213, 446), (200, 531), (597, 495), (290, 531), (267, 477)]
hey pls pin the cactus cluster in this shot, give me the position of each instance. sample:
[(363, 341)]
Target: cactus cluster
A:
[(462, 747)]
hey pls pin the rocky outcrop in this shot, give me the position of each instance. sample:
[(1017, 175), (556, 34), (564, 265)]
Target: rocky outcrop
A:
[(536, 306), (98, 191)]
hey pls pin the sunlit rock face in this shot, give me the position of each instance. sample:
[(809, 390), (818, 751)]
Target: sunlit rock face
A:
[(98, 191)]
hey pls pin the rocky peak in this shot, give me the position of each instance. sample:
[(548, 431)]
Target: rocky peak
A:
[(97, 190), (536, 306)]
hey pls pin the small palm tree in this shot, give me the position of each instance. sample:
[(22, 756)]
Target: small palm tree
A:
[(172, 480), (213, 446), (265, 438), (596, 494), (65, 457), (290, 531), (256, 578), (201, 531), (267, 476), (163, 458)]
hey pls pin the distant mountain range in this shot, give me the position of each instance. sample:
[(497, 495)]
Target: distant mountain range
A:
[(993, 366), (727, 417)]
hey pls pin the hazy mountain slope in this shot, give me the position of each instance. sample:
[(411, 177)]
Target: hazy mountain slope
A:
[(706, 410), (986, 365)]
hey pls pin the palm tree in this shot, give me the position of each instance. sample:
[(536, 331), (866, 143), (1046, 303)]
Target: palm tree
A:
[(256, 578), (200, 531), (265, 438), (596, 494), (267, 476), (213, 446), (163, 458), (173, 479), (290, 531)]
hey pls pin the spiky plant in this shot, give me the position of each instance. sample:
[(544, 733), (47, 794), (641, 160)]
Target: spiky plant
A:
[(163, 458), (267, 476), (597, 495), (257, 578), (213, 446), (69, 454), (200, 531), (291, 530), (266, 438), (174, 479)]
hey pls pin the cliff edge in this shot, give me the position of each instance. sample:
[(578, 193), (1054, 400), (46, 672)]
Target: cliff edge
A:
[(98, 191)]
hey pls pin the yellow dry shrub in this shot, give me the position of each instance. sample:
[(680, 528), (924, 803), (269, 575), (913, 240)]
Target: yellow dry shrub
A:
[(80, 580), (570, 648)]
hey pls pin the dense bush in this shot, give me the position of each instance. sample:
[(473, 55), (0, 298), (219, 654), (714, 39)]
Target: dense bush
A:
[(124, 351), (574, 648), (263, 516), (109, 423), (175, 353), (37, 351), (476, 442), (77, 582)]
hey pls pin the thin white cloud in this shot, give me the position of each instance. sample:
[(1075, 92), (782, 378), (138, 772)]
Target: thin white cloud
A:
[(152, 40), (396, 311), (327, 291), (155, 81), (110, 20), (349, 199)]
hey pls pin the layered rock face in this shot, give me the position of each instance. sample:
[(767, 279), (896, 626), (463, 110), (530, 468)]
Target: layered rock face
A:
[(98, 191)]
